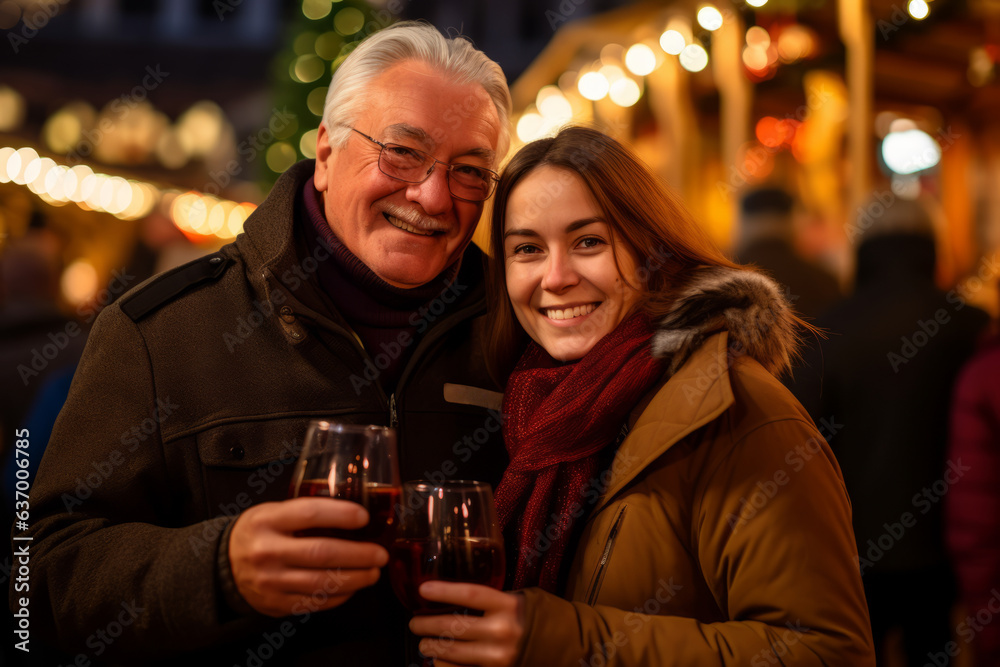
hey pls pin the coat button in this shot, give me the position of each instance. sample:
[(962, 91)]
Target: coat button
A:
[(215, 260), (238, 452)]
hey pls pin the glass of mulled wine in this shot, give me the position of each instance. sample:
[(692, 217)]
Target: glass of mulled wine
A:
[(356, 463), (447, 531)]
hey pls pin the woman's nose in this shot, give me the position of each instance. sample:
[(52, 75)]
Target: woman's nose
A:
[(559, 273)]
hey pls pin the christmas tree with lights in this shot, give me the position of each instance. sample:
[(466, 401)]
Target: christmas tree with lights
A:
[(320, 37)]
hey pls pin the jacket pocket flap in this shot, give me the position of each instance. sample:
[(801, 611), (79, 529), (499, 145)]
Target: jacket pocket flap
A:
[(251, 444)]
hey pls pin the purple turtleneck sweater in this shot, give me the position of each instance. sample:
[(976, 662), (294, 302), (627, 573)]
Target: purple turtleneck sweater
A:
[(384, 317)]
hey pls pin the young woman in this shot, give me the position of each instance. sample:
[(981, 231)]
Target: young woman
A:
[(668, 501)]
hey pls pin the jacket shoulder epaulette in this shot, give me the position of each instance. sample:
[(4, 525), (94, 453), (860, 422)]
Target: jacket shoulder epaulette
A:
[(166, 287)]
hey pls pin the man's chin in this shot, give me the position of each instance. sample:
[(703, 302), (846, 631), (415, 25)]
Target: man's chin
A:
[(409, 274)]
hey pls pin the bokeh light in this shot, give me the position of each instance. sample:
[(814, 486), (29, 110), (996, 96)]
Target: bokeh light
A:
[(709, 18), (694, 58), (672, 42), (910, 151), (625, 92), (594, 86), (640, 59)]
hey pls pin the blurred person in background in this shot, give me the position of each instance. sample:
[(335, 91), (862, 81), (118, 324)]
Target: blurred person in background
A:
[(767, 240), (883, 380), (36, 338), (39, 349), (972, 507)]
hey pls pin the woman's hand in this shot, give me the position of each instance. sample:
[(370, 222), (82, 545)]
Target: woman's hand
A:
[(490, 640)]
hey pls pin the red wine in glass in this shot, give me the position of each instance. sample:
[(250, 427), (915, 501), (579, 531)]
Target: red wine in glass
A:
[(355, 463), (381, 501), (447, 531), (471, 560)]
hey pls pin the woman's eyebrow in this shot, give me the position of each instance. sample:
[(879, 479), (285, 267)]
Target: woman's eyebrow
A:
[(571, 227), (520, 232), (583, 222)]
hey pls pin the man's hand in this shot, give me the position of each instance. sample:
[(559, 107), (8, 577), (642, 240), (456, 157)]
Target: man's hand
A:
[(491, 640), (280, 574)]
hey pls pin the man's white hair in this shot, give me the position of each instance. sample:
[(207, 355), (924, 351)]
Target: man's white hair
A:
[(455, 57)]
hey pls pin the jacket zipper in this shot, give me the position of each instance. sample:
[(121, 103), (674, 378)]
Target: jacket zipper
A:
[(437, 332), (602, 565), (443, 327)]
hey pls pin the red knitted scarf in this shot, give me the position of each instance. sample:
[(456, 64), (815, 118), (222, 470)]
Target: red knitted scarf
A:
[(558, 420)]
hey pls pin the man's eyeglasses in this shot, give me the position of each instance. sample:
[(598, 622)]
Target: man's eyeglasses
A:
[(465, 181)]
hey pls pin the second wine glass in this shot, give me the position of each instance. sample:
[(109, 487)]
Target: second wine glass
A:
[(447, 531)]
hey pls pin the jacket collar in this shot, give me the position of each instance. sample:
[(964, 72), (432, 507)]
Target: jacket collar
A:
[(693, 396), (720, 314)]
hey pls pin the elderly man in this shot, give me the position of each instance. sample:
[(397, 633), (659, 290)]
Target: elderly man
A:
[(158, 515)]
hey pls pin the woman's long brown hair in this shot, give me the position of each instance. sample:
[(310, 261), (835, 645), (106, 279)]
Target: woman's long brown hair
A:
[(642, 213)]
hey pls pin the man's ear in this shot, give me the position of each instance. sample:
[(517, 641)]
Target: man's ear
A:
[(323, 153)]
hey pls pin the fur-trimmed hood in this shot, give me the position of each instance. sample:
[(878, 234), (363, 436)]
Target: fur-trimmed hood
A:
[(747, 304)]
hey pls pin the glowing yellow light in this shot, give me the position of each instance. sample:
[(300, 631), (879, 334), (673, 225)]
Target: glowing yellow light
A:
[(694, 58), (757, 36), (53, 182), (62, 131), (316, 9), (280, 156), (200, 127), (348, 21), (180, 211), (640, 59), (121, 195), (6, 153), (593, 86), (234, 225), (794, 43), (553, 106), (106, 195), (756, 3), (625, 92), (709, 18), (672, 42), (67, 185), (88, 184), (612, 73), (140, 204), (198, 215), (316, 100), (79, 282), (19, 162), (529, 126), (307, 144), (308, 68), (755, 57), (328, 45), (12, 108), (93, 190), (31, 170), (37, 184), (918, 9), (217, 217), (81, 172), (545, 92)]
